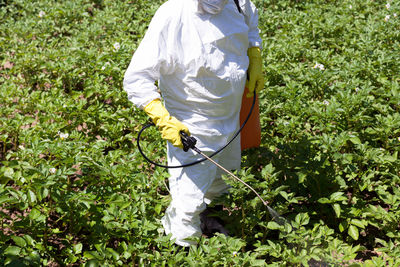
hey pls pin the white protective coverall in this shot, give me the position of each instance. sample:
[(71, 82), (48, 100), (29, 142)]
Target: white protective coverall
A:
[(200, 61)]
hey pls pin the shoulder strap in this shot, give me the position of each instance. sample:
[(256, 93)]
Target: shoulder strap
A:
[(238, 6)]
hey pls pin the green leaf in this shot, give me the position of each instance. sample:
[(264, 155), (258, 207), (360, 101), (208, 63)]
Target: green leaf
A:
[(113, 253), (92, 263), (31, 197), (389, 158), (55, 230), (91, 255), (355, 140), (157, 208), (353, 232), (284, 194), (337, 196), (29, 240), (302, 177), (78, 248), (337, 209), (12, 251), (302, 219), (34, 214), (369, 263), (19, 241), (324, 200), (358, 223), (4, 198), (273, 225), (341, 227), (8, 172)]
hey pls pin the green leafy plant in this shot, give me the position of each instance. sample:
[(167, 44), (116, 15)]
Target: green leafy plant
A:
[(75, 191)]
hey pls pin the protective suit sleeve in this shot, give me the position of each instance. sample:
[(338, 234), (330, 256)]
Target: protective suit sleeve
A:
[(149, 61), (251, 17)]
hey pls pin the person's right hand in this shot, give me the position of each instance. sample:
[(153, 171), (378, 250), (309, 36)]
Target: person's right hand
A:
[(169, 126)]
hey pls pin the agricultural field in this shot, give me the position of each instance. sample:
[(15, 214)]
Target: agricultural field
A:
[(75, 191)]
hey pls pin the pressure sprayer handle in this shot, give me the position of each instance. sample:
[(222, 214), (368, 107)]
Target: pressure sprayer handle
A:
[(187, 141)]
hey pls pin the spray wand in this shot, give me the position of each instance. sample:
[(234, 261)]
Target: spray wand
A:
[(189, 142)]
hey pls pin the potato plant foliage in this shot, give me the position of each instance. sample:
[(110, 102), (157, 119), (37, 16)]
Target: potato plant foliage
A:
[(75, 191)]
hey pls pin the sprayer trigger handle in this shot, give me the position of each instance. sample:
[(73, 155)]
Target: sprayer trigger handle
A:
[(187, 141)]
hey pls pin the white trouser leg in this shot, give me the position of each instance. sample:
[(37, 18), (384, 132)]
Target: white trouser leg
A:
[(228, 159), (188, 187), (217, 188)]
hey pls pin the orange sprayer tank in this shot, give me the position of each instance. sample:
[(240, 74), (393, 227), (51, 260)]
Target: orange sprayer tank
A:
[(251, 134)]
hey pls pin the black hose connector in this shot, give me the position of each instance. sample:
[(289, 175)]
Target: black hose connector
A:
[(187, 141)]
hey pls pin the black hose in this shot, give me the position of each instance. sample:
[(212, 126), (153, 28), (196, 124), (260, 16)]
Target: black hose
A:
[(200, 160)]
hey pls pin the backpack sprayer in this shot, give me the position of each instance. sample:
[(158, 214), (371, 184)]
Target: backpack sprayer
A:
[(189, 142)]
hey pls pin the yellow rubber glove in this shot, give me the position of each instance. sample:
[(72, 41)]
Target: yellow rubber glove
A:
[(169, 126), (255, 75)]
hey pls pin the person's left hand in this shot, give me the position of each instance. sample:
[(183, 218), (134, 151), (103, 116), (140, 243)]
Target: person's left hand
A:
[(255, 77)]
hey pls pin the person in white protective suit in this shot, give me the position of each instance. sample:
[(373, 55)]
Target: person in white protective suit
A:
[(198, 51)]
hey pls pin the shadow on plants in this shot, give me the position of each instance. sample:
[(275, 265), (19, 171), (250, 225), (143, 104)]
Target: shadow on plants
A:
[(15, 261), (306, 173), (300, 164)]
